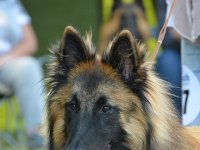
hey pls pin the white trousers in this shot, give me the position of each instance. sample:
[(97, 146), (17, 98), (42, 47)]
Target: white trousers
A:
[(23, 77)]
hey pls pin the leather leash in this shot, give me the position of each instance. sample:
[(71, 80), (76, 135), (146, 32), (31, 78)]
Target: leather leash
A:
[(162, 33)]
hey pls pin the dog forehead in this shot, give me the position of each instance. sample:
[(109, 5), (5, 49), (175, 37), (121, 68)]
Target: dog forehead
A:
[(90, 85), (90, 82)]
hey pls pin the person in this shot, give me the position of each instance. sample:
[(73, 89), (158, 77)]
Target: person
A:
[(169, 59), (185, 20), (20, 73)]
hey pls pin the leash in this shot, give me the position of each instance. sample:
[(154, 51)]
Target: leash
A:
[(162, 33)]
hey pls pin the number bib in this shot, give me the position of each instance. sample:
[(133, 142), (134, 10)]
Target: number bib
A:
[(190, 96)]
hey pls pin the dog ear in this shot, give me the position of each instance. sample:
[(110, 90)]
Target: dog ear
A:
[(124, 56), (72, 48)]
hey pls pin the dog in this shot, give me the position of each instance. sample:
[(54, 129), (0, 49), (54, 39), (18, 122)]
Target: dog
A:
[(110, 102), (129, 16)]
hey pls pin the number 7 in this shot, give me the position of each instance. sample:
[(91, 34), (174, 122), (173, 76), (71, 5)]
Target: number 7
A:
[(186, 100)]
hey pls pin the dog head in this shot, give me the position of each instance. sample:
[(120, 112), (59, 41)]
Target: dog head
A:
[(96, 102)]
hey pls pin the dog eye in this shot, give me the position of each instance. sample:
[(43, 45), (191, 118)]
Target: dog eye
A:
[(106, 109), (72, 106)]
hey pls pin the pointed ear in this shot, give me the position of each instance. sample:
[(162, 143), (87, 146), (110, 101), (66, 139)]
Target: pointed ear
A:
[(72, 48), (124, 56)]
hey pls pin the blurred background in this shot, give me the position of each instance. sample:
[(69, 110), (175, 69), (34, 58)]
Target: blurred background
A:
[(49, 18)]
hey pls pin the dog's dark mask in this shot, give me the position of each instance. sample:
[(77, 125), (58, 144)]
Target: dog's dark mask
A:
[(93, 126)]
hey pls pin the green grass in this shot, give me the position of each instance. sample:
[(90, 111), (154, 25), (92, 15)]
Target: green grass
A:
[(49, 18)]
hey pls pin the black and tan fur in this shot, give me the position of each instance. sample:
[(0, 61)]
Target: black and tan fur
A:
[(129, 17), (110, 102)]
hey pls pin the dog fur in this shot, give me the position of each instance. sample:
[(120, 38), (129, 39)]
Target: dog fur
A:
[(135, 101)]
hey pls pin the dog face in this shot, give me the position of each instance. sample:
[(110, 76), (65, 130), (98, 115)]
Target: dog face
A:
[(95, 103), (92, 114)]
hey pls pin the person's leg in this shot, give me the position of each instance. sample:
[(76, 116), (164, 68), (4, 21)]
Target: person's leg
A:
[(169, 68), (190, 54), (24, 77)]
